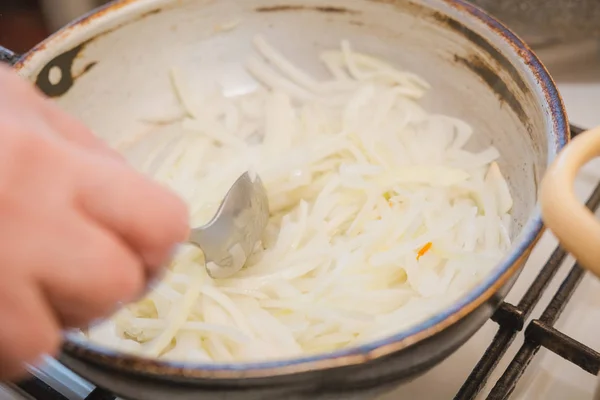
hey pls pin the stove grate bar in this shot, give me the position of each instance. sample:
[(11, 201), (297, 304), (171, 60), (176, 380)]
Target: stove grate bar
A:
[(564, 346), (515, 370), (511, 320), (100, 394), (38, 389)]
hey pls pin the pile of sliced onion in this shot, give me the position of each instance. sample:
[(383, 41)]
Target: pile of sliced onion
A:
[(379, 216)]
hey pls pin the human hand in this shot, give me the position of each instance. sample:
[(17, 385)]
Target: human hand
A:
[(80, 231)]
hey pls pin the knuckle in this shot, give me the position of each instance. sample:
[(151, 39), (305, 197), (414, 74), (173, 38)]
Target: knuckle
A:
[(123, 275), (79, 313), (131, 283), (162, 222), (107, 272), (180, 219), (84, 315), (173, 219), (12, 370), (49, 344), (169, 230), (31, 341), (25, 156)]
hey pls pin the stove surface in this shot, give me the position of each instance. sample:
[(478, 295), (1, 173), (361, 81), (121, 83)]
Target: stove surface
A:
[(576, 69)]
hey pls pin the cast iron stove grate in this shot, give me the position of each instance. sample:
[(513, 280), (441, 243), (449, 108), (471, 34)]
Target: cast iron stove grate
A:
[(511, 320)]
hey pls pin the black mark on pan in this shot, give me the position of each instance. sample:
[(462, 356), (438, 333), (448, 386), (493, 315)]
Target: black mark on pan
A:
[(485, 46), (336, 10), (279, 8), (486, 72), (333, 10), (147, 14), (88, 67), (489, 76), (64, 62)]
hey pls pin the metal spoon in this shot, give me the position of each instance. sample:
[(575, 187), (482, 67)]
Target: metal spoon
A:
[(231, 235)]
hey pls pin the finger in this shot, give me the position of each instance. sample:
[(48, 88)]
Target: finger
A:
[(93, 277), (75, 131), (29, 329), (150, 218)]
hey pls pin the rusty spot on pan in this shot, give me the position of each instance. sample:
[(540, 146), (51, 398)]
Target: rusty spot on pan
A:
[(109, 8), (324, 9), (336, 10), (491, 78), (484, 45), (87, 68), (279, 8)]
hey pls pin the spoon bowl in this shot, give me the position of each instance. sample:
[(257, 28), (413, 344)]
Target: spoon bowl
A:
[(230, 237)]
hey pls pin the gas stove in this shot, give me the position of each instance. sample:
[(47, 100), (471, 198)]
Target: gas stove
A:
[(539, 345)]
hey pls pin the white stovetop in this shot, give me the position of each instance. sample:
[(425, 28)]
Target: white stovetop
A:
[(549, 377)]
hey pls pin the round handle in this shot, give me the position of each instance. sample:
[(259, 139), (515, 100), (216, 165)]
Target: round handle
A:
[(573, 224), (7, 56)]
